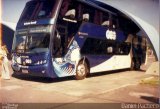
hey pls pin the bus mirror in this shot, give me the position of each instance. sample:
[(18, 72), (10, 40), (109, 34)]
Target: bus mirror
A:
[(56, 44)]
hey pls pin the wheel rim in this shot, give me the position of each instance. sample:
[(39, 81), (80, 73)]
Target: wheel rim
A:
[(81, 70)]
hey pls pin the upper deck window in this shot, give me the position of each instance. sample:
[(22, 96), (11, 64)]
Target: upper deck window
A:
[(38, 9), (29, 9), (46, 9)]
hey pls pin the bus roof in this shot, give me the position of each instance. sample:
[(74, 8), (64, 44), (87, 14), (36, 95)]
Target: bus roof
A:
[(99, 5)]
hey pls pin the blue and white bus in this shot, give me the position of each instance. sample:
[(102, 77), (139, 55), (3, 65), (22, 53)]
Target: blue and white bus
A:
[(58, 38)]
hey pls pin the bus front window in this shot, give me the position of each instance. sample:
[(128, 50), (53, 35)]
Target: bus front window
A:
[(29, 10), (33, 43), (37, 42), (19, 43)]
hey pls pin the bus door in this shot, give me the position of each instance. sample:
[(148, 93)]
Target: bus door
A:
[(122, 56), (66, 27)]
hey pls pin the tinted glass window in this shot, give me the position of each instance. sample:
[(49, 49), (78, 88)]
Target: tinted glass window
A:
[(29, 9), (46, 9), (123, 48), (105, 47), (60, 41), (88, 13), (37, 42), (38, 9), (94, 47)]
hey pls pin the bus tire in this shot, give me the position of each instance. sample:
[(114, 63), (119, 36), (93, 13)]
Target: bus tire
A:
[(82, 70)]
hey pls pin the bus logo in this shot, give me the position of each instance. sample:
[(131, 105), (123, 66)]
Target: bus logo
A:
[(111, 35)]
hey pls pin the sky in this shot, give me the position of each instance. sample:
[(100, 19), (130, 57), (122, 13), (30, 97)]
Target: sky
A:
[(12, 9)]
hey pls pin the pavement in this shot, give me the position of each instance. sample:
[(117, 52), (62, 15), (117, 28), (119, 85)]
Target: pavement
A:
[(96, 88), (105, 87)]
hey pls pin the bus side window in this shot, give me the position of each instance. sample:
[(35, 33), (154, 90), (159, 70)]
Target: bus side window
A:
[(95, 46), (68, 18), (70, 11), (115, 22), (105, 20), (88, 13), (123, 48), (98, 17)]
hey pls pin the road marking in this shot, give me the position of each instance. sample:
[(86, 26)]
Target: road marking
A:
[(139, 94), (11, 87), (117, 88)]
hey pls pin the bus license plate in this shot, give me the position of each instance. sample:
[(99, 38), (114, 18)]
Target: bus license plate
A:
[(25, 71)]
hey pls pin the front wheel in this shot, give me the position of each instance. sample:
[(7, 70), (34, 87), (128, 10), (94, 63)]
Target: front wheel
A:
[(81, 71)]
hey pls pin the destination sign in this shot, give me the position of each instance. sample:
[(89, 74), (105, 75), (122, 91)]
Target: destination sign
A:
[(40, 29)]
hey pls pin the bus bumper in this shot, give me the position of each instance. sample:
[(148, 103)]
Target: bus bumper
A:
[(38, 70)]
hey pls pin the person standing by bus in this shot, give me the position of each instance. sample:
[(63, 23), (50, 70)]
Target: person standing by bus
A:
[(4, 63)]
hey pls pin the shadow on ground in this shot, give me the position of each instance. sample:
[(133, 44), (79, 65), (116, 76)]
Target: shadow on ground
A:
[(41, 79), (151, 99), (61, 79)]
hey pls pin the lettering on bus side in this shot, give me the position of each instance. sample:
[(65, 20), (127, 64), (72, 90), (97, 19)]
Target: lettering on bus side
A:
[(30, 23)]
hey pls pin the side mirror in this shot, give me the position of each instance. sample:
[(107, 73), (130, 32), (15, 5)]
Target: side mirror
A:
[(57, 44)]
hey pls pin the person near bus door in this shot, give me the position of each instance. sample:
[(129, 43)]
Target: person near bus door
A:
[(4, 63)]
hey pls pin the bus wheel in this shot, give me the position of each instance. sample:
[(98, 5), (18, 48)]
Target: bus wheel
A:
[(81, 72)]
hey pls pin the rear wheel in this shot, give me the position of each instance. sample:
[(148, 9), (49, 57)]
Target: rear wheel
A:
[(82, 70)]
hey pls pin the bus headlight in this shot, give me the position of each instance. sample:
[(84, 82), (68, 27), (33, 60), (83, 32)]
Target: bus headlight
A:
[(41, 62), (28, 61), (18, 60)]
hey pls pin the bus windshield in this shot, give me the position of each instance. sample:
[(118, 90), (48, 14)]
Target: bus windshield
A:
[(35, 39), (37, 42), (38, 9)]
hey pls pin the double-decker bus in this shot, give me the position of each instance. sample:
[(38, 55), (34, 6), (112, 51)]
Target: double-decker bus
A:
[(58, 38)]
